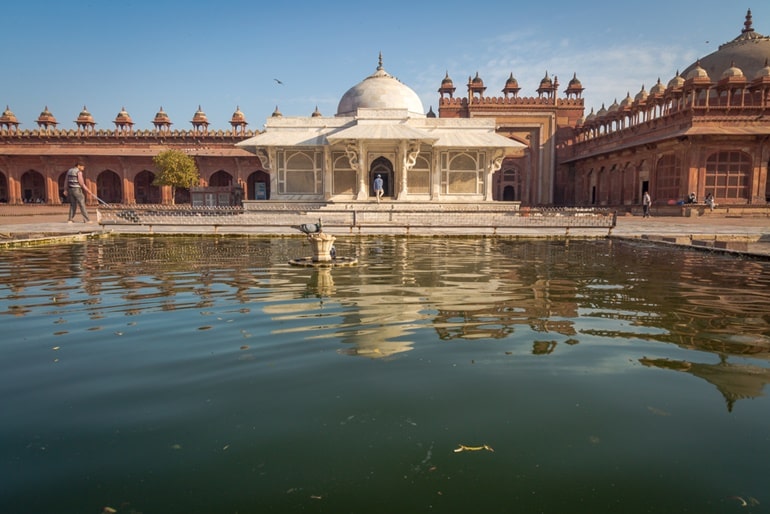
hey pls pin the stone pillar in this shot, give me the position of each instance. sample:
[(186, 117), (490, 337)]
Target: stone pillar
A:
[(321, 243)]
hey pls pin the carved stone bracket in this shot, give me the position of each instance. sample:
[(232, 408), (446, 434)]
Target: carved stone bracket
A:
[(264, 158)]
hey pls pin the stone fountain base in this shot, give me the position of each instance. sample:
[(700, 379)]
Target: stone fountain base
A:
[(322, 245)]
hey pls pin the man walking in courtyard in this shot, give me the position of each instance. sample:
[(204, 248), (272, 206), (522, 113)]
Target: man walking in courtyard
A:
[(378, 191), (75, 187)]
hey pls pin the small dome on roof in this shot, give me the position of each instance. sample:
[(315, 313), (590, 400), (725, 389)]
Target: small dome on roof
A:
[(316, 113), (276, 113), (447, 82), (380, 90), (85, 117), (658, 88), (200, 116), (591, 115), (676, 82), (123, 117), (546, 81), (627, 101), (8, 117), (511, 86), (238, 116), (430, 113), (46, 118), (697, 73), (161, 118), (764, 71), (574, 86), (614, 107), (642, 95), (601, 111), (732, 71)]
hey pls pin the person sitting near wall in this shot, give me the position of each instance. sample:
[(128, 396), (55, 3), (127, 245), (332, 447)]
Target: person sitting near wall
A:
[(710, 201), (692, 198)]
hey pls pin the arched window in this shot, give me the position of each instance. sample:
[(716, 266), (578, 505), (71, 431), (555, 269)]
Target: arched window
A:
[(728, 175), (462, 173), (300, 172), (667, 184), (418, 178), (343, 176)]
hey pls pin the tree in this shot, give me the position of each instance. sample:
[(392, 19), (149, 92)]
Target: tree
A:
[(175, 169)]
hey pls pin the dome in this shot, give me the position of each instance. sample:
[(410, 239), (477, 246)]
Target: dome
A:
[(85, 117), (161, 118), (763, 72), (627, 101), (8, 117), (658, 88), (238, 116), (123, 117), (546, 82), (200, 116), (732, 72), (676, 82), (380, 91), (697, 73), (748, 52), (641, 96), (46, 118)]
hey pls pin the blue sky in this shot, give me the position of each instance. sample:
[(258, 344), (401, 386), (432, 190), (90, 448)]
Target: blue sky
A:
[(142, 55)]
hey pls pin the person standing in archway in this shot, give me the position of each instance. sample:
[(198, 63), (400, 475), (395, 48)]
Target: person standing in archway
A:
[(75, 187), (378, 184), (646, 204)]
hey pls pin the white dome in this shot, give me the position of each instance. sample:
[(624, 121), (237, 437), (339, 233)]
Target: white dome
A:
[(380, 91)]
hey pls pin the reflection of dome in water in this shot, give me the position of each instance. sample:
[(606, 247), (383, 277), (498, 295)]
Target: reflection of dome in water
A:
[(380, 91), (748, 52)]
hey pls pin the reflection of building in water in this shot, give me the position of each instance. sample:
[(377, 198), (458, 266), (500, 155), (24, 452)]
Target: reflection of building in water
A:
[(734, 381)]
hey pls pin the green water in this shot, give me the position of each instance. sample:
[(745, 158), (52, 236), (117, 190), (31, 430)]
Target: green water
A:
[(202, 375)]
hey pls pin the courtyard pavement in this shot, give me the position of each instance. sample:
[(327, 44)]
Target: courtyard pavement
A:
[(742, 235)]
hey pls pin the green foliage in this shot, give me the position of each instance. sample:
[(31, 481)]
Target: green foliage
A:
[(175, 169)]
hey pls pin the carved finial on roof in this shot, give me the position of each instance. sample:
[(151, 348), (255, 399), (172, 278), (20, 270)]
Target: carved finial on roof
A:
[(747, 25), (379, 65)]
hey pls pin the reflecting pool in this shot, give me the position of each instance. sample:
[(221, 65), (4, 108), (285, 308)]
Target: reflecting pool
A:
[(207, 375)]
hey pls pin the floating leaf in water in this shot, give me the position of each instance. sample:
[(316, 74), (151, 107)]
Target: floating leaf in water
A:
[(464, 448), (244, 347), (205, 327), (658, 412), (109, 510), (61, 333)]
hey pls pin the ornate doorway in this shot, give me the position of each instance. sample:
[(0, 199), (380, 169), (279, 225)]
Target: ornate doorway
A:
[(381, 166)]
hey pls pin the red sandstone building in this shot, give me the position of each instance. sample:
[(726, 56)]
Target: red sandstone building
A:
[(706, 130)]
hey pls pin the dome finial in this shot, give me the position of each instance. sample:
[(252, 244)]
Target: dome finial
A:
[(379, 64), (747, 25)]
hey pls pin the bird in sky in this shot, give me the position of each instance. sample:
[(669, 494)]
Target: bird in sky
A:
[(278, 81)]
